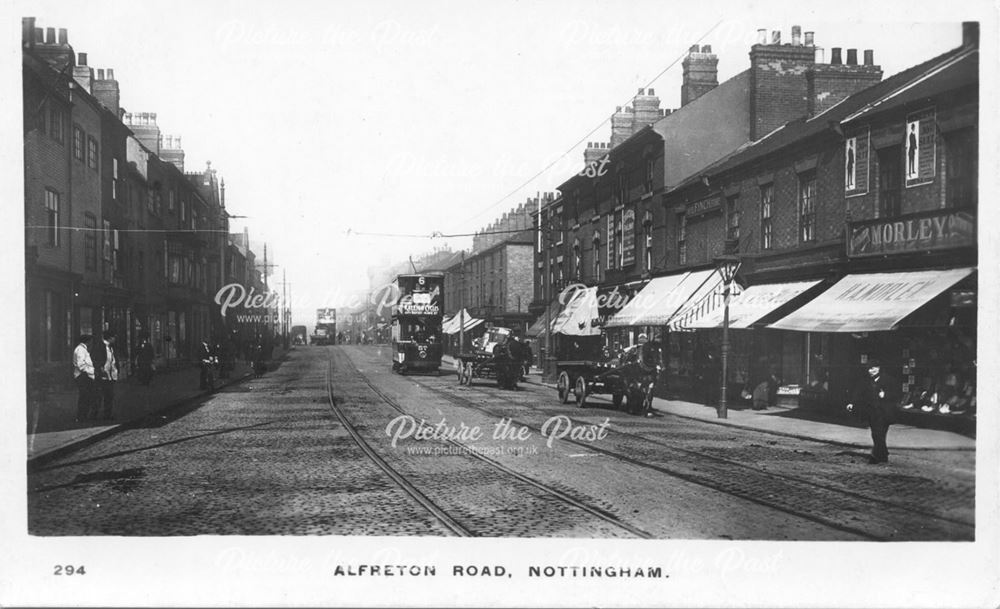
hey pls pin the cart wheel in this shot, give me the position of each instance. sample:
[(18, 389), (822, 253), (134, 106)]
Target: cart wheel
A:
[(616, 398), (458, 370), (562, 387), (580, 391)]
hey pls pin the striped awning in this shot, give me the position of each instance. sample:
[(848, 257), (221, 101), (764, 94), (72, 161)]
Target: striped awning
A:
[(753, 304), (454, 324), (579, 316), (709, 298), (663, 298), (871, 302)]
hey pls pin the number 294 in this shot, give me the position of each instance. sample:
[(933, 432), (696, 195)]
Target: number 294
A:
[(68, 570)]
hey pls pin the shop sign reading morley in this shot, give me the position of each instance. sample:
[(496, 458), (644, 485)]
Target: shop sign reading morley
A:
[(916, 232)]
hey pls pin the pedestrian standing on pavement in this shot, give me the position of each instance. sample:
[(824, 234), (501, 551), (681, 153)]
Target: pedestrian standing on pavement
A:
[(102, 354), (875, 399), (83, 376), (144, 356), (529, 358), (205, 362)]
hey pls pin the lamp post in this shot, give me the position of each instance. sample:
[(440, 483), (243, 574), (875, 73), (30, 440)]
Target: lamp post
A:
[(727, 265)]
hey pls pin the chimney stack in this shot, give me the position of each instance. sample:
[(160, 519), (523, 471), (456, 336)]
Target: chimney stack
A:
[(621, 125), (970, 33), (777, 84), (829, 84), (700, 74), (143, 125), (172, 152), (647, 109), (28, 32), (82, 74), (594, 152), (106, 90), (55, 51)]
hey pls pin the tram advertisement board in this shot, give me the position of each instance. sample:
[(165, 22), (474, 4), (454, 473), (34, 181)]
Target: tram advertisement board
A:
[(419, 295)]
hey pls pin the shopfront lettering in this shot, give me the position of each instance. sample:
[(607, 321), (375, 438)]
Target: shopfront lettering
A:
[(870, 292), (923, 232)]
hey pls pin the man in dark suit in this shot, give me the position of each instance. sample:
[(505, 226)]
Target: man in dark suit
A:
[(102, 354), (876, 399)]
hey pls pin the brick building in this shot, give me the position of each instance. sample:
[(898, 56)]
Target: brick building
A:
[(610, 226), (116, 235), (493, 280), (826, 198)]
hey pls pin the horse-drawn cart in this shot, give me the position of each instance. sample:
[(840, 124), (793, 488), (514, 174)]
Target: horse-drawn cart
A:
[(494, 356), (628, 378)]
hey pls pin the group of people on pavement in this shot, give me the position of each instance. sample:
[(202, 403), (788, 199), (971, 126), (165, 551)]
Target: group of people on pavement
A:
[(95, 372)]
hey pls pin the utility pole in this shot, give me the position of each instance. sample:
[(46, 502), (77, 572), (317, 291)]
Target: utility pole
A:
[(461, 309), (546, 241)]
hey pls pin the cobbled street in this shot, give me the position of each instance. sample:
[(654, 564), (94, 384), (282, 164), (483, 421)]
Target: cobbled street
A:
[(328, 444)]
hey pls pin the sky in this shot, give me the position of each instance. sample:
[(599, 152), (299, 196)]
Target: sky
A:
[(411, 118)]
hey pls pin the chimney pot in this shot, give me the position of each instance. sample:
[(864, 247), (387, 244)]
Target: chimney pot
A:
[(820, 55), (111, 74), (618, 108), (796, 35), (970, 33), (835, 56), (100, 74), (693, 49), (50, 35), (81, 59), (810, 38), (651, 92), (706, 48), (776, 37), (852, 57), (39, 35), (28, 31), (642, 91), (869, 57), (63, 36), (762, 36)]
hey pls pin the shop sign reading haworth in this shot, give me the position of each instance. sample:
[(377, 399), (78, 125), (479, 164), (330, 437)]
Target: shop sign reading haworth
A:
[(917, 232)]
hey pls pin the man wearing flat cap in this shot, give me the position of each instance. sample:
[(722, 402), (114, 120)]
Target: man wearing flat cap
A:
[(875, 399)]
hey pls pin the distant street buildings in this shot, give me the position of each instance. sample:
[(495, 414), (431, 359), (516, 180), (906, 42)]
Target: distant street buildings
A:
[(118, 236)]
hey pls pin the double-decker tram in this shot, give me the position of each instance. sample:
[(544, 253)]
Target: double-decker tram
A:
[(416, 323)]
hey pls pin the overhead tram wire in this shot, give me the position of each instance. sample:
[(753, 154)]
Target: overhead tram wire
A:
[(584, 138)]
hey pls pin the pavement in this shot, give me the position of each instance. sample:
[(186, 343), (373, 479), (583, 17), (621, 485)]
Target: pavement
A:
[(793, 421), (53, 429)]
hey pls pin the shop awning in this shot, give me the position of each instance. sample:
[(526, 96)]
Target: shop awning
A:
[(709, 297), (454, 325), (538, 328), (579, 315), (869, 303), (754, 303), (661, 299)]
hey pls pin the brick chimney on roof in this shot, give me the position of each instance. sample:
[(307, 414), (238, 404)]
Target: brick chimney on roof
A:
[(143, 125), (778, 90), (701, 73), (829, 84), (171, 150), (594, 152), (621, 125), (647, 109), (82, 73), (106, 90), (56, 51)]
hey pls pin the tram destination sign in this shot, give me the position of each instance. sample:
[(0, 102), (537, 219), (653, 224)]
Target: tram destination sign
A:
[(912, 233)]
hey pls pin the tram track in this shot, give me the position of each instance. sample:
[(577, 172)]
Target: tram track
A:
[(715, 472), (407, 486)]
